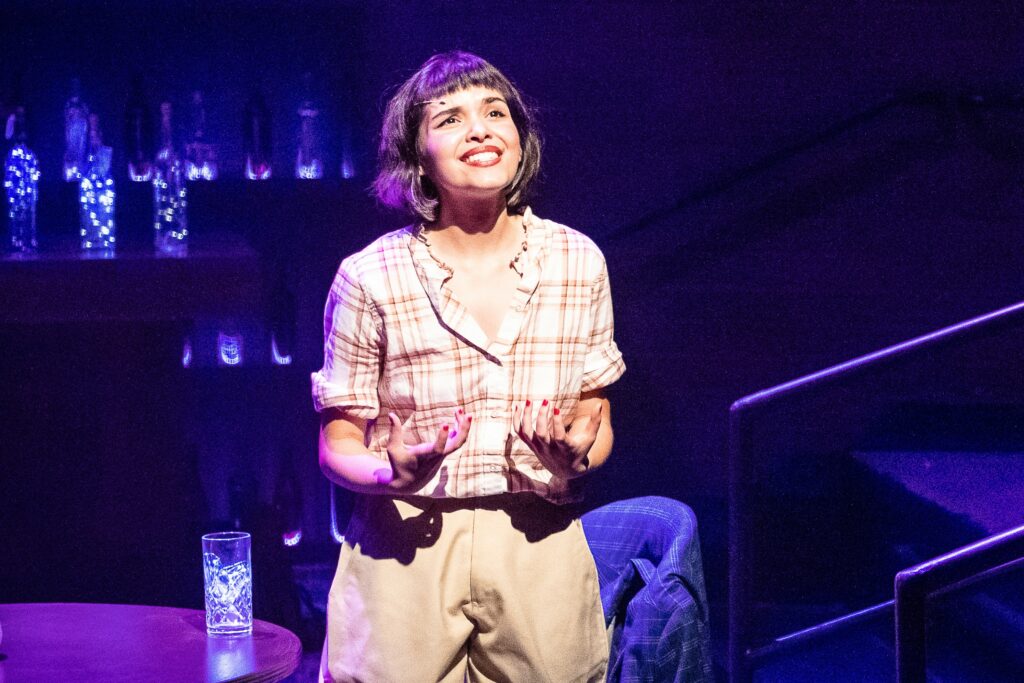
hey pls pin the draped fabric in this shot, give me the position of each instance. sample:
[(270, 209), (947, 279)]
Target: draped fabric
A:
[(652, 589)]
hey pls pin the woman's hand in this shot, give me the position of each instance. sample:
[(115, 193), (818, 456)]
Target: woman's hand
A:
[(563, 453), (413, 464)]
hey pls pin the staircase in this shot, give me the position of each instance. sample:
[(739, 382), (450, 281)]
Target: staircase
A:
[(841, 479)]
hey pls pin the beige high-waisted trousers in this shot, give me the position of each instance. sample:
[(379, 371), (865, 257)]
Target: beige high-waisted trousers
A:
[(501, 588)]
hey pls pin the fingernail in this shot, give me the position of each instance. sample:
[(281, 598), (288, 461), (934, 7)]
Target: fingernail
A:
[(469, 419), (527, 403), (445, 428), (556, 411), (544, 403)]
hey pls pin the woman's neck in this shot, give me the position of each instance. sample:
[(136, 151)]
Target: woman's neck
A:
[(474, 230)]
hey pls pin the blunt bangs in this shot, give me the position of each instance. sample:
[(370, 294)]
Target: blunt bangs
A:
[(398, 183)]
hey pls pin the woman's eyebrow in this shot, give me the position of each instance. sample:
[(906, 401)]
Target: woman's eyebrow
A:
[(456, 109), (446, 112)]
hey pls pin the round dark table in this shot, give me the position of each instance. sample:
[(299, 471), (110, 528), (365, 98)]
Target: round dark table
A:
[(111, 643)]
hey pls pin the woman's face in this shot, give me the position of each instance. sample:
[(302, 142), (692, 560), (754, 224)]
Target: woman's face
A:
[(469, 145)]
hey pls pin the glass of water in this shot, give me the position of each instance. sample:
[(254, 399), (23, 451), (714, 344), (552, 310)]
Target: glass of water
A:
[(227, 574)]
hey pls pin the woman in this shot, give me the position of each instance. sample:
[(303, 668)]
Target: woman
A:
[(464, 363)]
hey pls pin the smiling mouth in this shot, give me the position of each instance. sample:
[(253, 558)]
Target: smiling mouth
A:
[(482, 157)]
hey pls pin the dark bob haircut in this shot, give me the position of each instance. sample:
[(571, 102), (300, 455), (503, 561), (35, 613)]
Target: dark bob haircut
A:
[(399, 184)]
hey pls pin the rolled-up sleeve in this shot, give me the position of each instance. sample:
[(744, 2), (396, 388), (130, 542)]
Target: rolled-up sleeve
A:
[(353, 336), (603, 363)]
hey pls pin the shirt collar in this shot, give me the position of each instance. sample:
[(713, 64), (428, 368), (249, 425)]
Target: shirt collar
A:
[(434, 275), (538, 242)]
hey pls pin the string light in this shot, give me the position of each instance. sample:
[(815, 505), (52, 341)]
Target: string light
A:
[(170, 222), (204, 171), (314, 170), (21, 177), (96, 197)]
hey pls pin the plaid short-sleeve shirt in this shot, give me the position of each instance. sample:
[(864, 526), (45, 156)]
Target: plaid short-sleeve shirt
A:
[(396, 339)]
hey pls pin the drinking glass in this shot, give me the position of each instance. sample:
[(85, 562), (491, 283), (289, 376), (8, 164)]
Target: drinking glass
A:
[(227, 574)]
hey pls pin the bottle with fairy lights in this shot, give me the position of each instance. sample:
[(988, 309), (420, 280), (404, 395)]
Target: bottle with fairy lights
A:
[(21, 185), (170, 218), (96, 197), (256, 138), (200, 154), (309, 163), (138, 137), (76, 133)]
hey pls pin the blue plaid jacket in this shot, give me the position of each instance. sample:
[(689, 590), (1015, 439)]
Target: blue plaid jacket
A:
[(652, 590)]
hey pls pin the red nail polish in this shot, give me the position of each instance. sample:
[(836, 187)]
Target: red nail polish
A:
[(445, 428), (527, 403), (469, 419), (556, 411), (544, 403)]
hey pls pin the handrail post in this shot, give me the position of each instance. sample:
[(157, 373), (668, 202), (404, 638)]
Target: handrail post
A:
[(911, 598), (914, 585)]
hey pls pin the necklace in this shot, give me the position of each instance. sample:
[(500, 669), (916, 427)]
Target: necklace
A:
[(514, 264)]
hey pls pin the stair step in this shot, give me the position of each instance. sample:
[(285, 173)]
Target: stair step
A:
[(985, 488)]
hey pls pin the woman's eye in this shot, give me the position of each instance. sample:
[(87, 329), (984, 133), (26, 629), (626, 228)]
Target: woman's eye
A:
[(496, 113)]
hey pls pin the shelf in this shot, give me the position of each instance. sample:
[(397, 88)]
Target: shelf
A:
[(219, 276)]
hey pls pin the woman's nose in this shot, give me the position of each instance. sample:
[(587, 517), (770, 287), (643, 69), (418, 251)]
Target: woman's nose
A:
[(477, 128)]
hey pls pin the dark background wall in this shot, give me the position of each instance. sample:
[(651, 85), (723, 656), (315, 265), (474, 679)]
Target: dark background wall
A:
[(777, 187)]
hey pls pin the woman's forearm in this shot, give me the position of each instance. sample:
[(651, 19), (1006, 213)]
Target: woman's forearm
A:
[(602, 448), (348, 463)]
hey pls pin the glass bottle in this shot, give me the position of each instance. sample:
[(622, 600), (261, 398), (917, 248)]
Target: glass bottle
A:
[(309, 163), (21, 185), (200, 155), (139, 134), (76, 133), (287, 501), (282, 322), (348, 167), (256, 138), (170, 217), (96, 197)]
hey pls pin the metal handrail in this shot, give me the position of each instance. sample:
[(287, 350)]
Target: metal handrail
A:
[(739, 654), (791, 641), (914, 585), (825, 628)]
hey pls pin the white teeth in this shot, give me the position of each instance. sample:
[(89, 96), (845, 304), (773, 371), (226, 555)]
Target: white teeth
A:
[(480, 157)]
